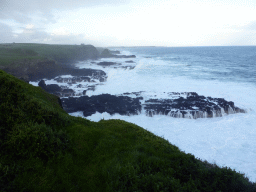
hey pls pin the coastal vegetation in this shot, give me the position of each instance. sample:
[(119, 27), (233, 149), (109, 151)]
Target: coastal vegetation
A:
[(28, 61), (45, 149), (14, 53)]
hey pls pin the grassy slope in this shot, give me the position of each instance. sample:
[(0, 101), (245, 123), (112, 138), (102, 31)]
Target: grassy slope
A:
[(45, 149), (11, 54)]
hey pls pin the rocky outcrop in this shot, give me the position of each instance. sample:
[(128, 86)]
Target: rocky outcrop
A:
[(55, 62), (192, 106), (180, 105), (57, 90), (111, 104), (32, 70), (53, 88), (68, 54), (130, 61), (107, 54), (106, 63), (125, 56), (89, 83), (115, 52), (82, 75)]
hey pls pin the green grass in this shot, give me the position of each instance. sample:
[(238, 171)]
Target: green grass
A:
[(20, 53), (45, 149)]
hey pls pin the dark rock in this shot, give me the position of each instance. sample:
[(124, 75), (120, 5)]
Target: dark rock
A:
[(128, 67), (42, 84), (79, 86), (91, 88), (180, 105), (106, 53), (194, 106), (53, 88), (111, 104), (52, 72), (73, 80), (129, 61), (125, 56), (67, 93), (105, 63), (56, 89), (115, 52)]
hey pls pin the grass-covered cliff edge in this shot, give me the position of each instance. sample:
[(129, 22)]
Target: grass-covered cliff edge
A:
[(45, 149), (29, 60)]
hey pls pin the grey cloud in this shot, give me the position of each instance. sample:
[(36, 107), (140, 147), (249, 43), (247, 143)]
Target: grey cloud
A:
[(38, 35), (6, 33), (21, 10), (31, 35)]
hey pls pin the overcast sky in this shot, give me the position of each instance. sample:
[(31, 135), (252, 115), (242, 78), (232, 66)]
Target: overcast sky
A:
[(129, 22)]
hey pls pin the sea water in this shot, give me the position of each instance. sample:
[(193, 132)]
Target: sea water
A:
[(220, 72)]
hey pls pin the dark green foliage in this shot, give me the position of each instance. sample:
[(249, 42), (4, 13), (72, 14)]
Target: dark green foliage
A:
[(45, 149), (29, 127)]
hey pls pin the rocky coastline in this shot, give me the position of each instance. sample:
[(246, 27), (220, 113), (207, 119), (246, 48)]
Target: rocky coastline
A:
[(178, 105), (57, 63)]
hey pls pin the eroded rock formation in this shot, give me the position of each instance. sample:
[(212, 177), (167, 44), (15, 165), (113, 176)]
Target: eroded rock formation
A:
[(180, 105)]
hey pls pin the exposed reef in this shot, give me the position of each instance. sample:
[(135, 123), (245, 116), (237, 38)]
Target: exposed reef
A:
[(108, 54), (56, 62), (75, 77), (191, 106), (180, 105), (111, 104)]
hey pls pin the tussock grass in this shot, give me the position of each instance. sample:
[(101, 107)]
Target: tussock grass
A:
[(45, 149)]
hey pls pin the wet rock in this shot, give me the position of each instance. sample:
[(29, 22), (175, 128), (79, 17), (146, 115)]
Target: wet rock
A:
[(131, 61), (125, 56), (128, 67), (67, 92), (53, 88), (72, 80), (56, 89), (178, 105), (111, 104), (193, 106), (91, 88), (106, 53), (105, 63), (42, 84)]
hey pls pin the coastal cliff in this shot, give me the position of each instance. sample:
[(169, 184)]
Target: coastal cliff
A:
[(34, 61)]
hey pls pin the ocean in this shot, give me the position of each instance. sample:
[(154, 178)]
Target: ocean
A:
[(219, 72)]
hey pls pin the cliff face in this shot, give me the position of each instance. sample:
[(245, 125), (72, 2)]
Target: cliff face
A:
[(28, 70), (47, 61), (71, 54)]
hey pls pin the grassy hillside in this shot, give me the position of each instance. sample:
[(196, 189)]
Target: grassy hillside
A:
[(45, 149), (11, 54)]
